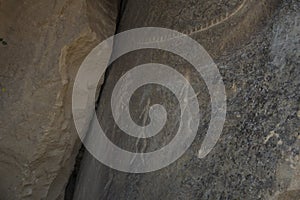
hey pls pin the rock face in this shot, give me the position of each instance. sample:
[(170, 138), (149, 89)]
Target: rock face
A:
[(255, 44), (256, 47), (42, 45)]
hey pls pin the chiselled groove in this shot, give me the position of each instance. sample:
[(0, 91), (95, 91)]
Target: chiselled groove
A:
[(216, 21), (200, 28)]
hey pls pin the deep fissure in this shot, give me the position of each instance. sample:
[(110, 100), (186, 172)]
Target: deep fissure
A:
[(71, 185)]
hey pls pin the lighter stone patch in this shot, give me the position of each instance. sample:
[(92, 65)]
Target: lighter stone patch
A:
[(298, 114), (272, 134)]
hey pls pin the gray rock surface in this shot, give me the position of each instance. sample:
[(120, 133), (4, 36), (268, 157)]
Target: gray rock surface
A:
[(42, 45), (256, 47)]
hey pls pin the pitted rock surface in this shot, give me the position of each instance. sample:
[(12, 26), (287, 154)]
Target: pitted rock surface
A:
[(257, 156)]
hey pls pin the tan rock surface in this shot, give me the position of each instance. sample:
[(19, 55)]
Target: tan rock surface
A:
[(43, 44)]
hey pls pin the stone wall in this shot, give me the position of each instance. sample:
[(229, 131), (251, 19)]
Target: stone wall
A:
[(44, 42)]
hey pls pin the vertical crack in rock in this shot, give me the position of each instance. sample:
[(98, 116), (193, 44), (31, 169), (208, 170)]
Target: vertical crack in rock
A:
[(121, 8), (70, 188)]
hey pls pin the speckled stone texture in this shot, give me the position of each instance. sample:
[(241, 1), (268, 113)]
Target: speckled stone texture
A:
[(256, 48), (42, 45)]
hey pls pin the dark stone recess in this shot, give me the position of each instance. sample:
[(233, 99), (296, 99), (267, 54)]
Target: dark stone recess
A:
[(257, 53)]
